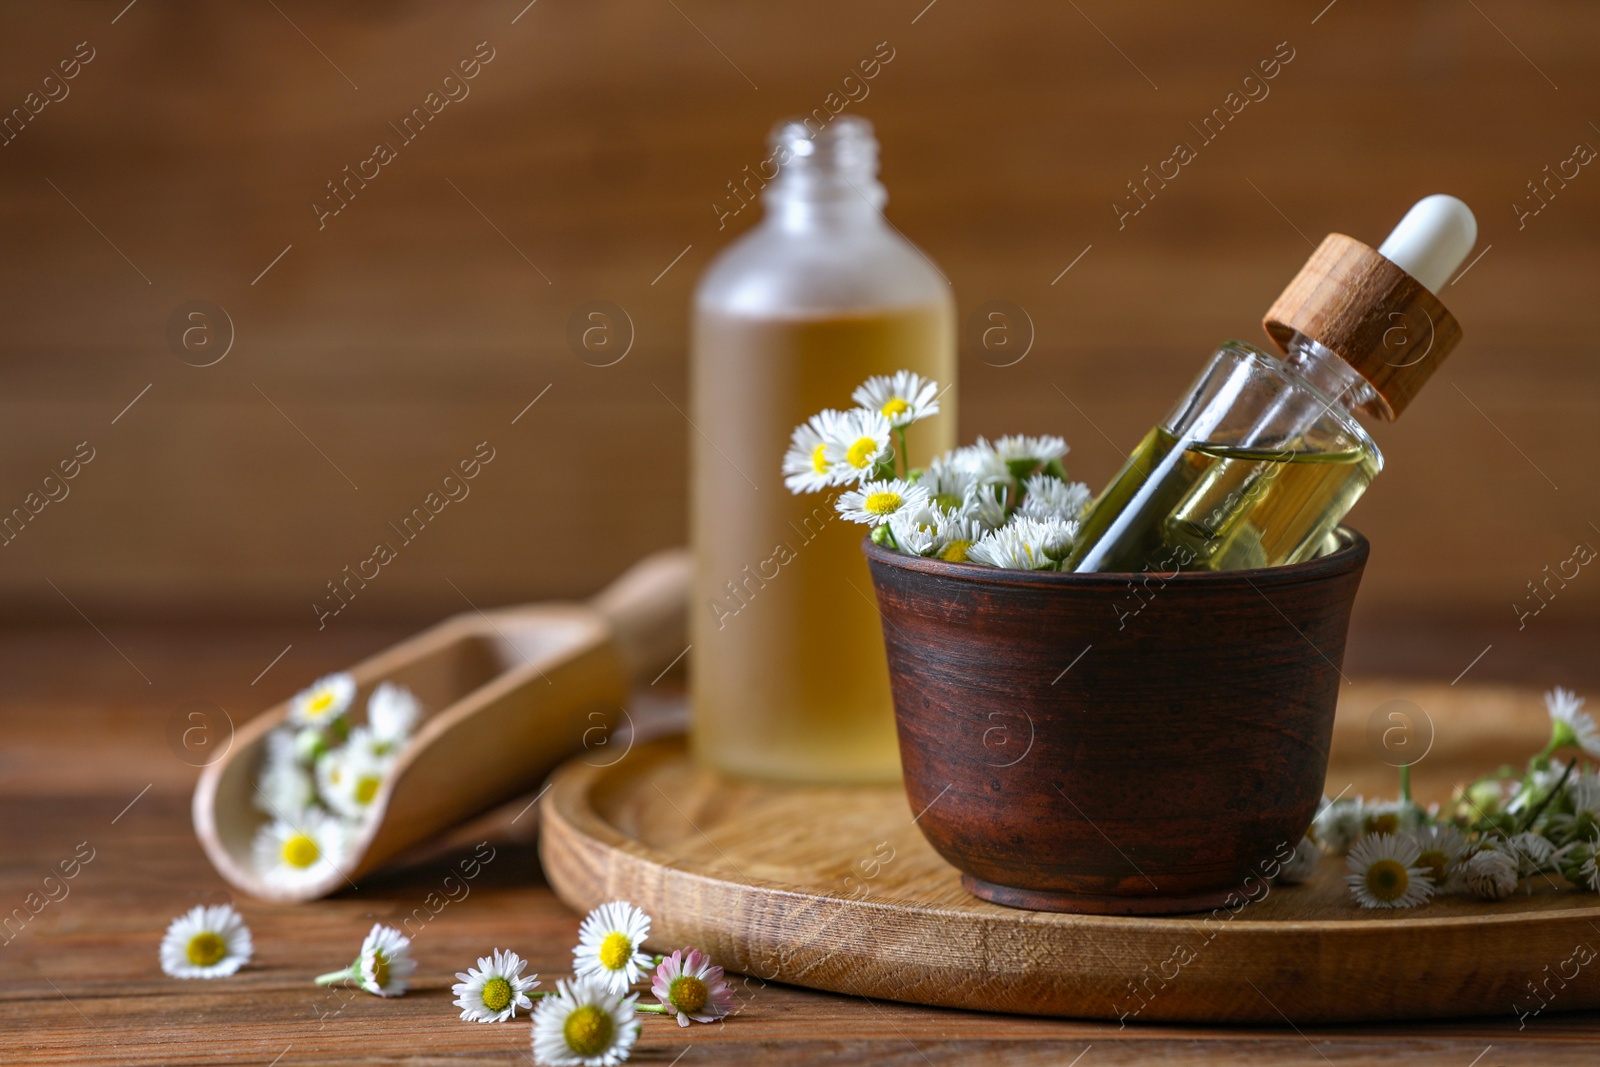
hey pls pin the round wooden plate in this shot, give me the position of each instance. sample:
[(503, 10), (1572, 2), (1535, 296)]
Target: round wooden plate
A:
[(834, 888)]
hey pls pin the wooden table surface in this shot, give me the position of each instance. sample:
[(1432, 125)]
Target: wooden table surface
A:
[(85, 758)]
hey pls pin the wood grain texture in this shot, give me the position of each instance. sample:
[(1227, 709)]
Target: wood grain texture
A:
[(595, 145), (83, 735), (836, 888)]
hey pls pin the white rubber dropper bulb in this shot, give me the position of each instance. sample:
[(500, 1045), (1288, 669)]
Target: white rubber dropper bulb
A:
[(1432, 240)]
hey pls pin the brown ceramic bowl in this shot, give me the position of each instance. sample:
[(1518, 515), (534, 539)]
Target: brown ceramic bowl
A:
[(1114, 743)]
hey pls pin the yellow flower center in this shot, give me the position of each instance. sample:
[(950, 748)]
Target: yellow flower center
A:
[(1435, 862), (367, 788), (894, 407), (687, 993), (300, 851), (1387, 880), (380, 969), (882, 503), (588, 1030), (1387, 823), (615, 951), (955, 551), (819, 459), (206, 949), (320, 702), (496, 994), (861, 453)]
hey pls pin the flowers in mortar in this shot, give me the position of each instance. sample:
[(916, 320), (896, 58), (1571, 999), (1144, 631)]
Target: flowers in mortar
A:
[(1008, 504), (1500, 831), (206, 942), (320, 775)]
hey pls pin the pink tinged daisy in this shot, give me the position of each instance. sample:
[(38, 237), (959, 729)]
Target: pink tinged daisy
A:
[(903, 397), (1384, 872), (206, 942), (383, 967), (584, 1023), (610, 946), (690, 986), (494, 990)]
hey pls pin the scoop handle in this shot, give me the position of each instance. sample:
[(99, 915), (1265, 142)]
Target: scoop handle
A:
[(647, 610)]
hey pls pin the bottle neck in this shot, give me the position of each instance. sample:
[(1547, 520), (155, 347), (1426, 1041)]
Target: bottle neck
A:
[(827, 178), (802, 213), (1330, 374)]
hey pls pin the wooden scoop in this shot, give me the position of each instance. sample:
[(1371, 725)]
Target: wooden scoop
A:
[(506, 695)]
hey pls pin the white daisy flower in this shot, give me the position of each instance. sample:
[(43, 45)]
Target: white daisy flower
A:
[(299, 848), (610, 945), (954, 536), (349, 778), (985, 506), (494, 990), (1583, 797), (1384, 872), (1531, 852), (875, 503), (1569, 723), (857, 442), (1024, 455), (326, 700), (1338, 823), (383, 966), (1390, 817), (1008, 549), (982, 463), (807, 466), (1299, 868), (1440, 850), (947, 482), (392, 713), (1489, 874), (1048, 497), (916, 529), (1590, 872), (1053, 536), (206, 942), (584, 1024), (283, 788), (903, 398), (689, 986)]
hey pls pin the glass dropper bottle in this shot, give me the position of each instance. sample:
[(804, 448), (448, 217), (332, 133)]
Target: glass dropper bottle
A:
[(1264, 457)]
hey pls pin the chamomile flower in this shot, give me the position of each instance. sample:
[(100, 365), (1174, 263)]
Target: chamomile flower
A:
[(985, 506), (348, 780), (584, 1024), (1440, 850), (283, 787), (326, 700), (1048, 497), (299, 848), (1590, 871), (807, 466), (903, 397), (1489, 874), (983, 463), (916, 529), (494, 990), (383, 967), (1384, 872), (858, 441), (1007, 548), (1338, 823), (875, 503), (1299, 868), (1583, 797), (690, 986), (1053, 536), (392, 713), (954, 535), (1024, 455), (947, 482), (206, 942), (1569, 723), (1390, 817), (1531, 852), (610, 945)]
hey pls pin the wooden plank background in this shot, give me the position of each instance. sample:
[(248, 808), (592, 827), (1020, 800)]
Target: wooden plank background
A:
[(372, 354)]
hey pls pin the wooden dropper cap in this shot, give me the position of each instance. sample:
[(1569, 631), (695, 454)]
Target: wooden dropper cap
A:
[(1375, 308)]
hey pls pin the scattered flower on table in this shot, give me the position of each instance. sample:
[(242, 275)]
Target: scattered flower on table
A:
[(1490, 875), (494, 990), (301, 848), (584, 1023), (1440, 850), (690, 986), (1007, 504), (327, 700), (1299, 868), (207, 941), (1384, 872), (383, 967), (610, 942)]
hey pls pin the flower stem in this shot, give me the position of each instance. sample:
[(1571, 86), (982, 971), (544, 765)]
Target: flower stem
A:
[(334, 977), (654, 1009), (1405, 784), (905, 461)]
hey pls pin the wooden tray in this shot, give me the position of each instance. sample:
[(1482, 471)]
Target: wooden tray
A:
[(834, 888)]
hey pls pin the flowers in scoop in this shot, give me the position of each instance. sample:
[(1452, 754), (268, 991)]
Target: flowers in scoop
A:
[(320, 775), (610, 945), (1007, 504), (206, 942), (494, 990), (585, 1023), (383, 967)]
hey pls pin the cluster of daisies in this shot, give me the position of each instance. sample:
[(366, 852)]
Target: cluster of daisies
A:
[(589, 1020), (320, 775), (1500, 830), (1007, 504)]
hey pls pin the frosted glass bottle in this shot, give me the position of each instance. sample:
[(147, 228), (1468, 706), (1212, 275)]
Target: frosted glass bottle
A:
[(787, 675)]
